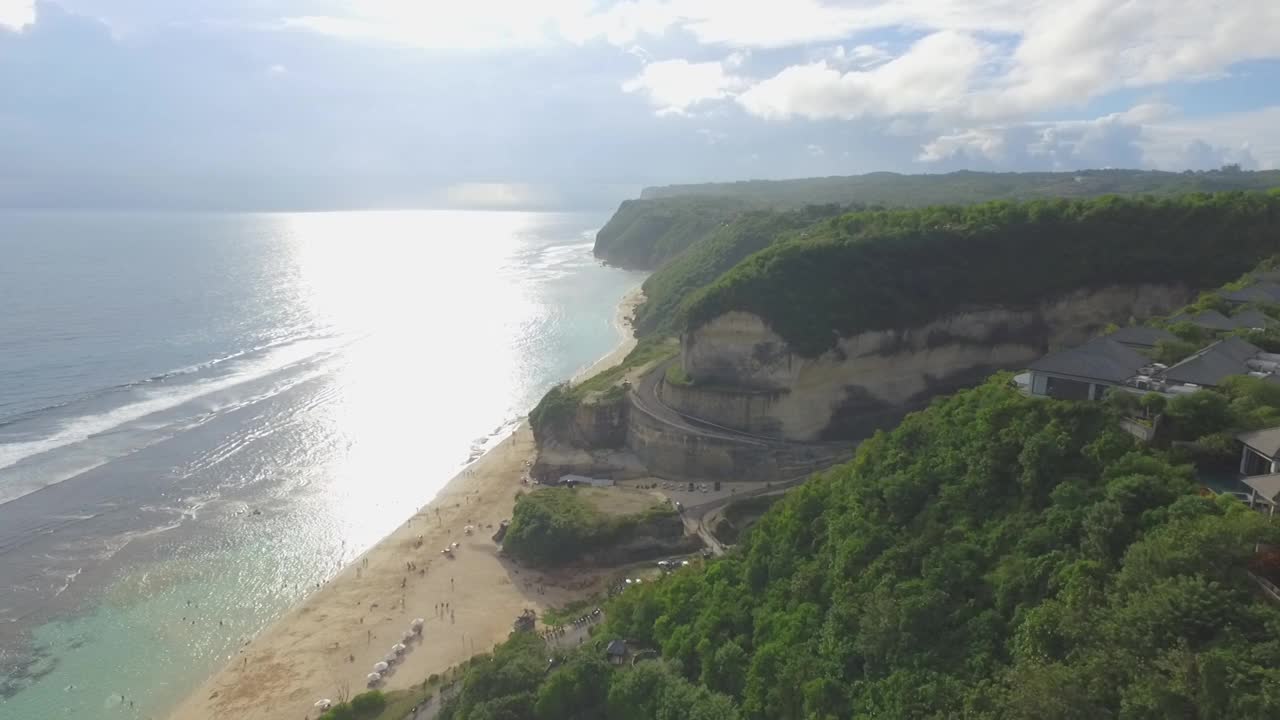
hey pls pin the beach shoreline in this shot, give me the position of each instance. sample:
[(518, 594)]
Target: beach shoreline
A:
[(325, 645)]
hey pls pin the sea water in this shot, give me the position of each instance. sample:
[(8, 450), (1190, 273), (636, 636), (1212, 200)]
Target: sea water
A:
[(202, 416)]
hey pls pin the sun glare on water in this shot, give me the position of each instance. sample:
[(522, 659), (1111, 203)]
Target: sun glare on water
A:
[(434, 315)]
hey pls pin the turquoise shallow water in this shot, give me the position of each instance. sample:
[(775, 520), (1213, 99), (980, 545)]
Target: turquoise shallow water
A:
[(202, 416)]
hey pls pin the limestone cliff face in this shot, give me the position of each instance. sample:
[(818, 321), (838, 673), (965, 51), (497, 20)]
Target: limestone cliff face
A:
[(747, 378)]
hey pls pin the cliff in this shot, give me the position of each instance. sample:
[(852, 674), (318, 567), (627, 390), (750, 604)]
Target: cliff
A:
[(648, 232), (593, 526), (885, 270), (644, 234), (750, 378)]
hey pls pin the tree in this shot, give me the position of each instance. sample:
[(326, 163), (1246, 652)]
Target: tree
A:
[(577, 689), (1199, 413)]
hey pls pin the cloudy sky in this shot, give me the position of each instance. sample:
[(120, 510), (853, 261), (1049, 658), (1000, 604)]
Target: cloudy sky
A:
[(388, 103)]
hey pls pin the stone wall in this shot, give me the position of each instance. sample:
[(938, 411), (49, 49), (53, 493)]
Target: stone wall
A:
[(741, 409), (673, 453), (601, 422), (872, 379)]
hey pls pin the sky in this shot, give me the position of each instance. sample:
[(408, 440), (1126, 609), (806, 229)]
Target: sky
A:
[(313, 104)]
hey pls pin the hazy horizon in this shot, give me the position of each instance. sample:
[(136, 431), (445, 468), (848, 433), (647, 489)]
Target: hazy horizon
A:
[(577, 104)]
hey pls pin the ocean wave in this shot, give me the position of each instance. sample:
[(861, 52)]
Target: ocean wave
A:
[(160, 378), (149, 402)]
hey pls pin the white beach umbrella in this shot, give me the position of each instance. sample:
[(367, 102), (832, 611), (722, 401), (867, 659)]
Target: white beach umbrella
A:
[(380, 667), (390, 658), (373, 678), (417, 623), (406, 636), (324, 704), (398, 648)]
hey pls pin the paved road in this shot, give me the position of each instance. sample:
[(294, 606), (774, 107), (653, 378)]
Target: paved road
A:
[(644, 395), (646, 398)]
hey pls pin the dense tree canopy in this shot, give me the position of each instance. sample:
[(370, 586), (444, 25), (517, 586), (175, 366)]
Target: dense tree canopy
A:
[(995, 556), (874, 270), (666, 290), (554, 526), (894, 190), (525, 680), (647, 233)]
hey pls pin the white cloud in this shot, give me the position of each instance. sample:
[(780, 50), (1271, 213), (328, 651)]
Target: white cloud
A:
[(674, 86), (1071, 52), (985, 60), (1143, 136), (1248, 138), (17, 14), (1036, 55), (277, 70), (934, 75), (712, 136), (859, 56), (474, 24)]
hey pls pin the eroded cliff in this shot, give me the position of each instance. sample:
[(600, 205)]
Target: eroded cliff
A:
[(748, 378)]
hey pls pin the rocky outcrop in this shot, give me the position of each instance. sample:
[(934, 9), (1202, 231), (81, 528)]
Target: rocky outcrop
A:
[(747, 378), (600, 421), (657, 538)]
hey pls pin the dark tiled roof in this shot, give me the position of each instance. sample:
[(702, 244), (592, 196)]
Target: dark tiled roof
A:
[(1268, 486), (1261, 292), (1140, 336), (1215, 363), (1209, 319), (1251, 319), (1099, 359), (1266, 441)]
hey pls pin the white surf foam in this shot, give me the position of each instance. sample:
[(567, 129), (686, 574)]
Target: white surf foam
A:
[(149, 402)]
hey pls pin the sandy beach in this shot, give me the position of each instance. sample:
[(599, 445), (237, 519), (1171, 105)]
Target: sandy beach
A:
[(330, 641)]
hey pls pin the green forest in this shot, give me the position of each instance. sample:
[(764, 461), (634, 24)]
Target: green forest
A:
[(895, 190), (651, 231), (648, 233), (882, 269), (995, 556), (732, 242), (554, 526)]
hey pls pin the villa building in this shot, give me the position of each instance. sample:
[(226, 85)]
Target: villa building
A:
[(1086, 371)]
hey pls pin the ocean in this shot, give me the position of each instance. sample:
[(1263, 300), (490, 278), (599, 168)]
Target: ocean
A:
[(204, 415)]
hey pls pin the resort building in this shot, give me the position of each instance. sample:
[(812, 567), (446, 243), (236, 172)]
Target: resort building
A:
[(1215, 363), (1264, 292), (1260, 451), (1209, 320), (1141, 337), (1085, 372), (1264, 492)]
